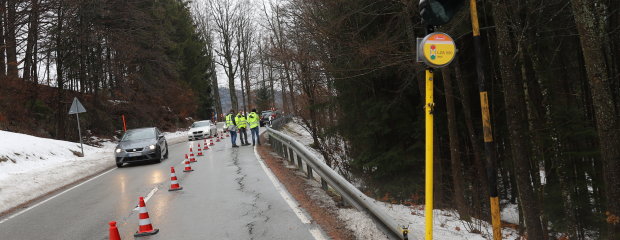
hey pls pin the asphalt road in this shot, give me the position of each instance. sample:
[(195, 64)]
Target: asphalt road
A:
[(228, 196)]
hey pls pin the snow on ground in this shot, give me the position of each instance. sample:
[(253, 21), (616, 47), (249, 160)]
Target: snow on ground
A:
[(31, 167), (510, 213), (446, 224)]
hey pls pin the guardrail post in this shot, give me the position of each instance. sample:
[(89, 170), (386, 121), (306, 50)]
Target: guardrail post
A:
[(299, 164), (287, 153), (309, 171), (292, 159), (324, 184)]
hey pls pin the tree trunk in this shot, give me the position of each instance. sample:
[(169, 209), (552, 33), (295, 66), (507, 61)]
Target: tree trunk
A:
[(232, 91), (480, 189), (248, 88), (242, 76), (31, 40), (2, 50), (60, 113), (284, 98), (587, 14), (516, 114), (455, 153), (216, 91), (11, 43), (291, 88)]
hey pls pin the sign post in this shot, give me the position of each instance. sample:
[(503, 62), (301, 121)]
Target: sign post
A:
[(124, 124), (77, 108), (436, 50)]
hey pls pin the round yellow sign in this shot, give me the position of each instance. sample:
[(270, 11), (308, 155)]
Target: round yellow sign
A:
[(438, 49)]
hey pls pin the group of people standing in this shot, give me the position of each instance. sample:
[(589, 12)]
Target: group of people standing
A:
[(240, 123)]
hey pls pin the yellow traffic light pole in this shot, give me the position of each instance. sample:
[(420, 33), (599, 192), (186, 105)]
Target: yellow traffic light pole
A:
[(428, 109)]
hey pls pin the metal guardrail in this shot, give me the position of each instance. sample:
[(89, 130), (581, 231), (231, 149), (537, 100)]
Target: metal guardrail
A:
[(278, 123), (297, 153)]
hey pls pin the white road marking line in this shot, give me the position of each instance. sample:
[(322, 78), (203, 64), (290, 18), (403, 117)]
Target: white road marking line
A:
[(317, 234), (46, 200), (292, 203), (148, 196)]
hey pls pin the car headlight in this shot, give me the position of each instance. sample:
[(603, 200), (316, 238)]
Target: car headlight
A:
[(152, 147), (118, 150)]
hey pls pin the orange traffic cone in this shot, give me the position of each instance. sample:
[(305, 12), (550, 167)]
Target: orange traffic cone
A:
[(188, 168), (211, 144), (199, 150), (114, 235), (191, 155), (174, 184), (205, 144), (145, 228)]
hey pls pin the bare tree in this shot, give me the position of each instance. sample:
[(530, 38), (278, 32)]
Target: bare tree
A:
[(205, 29), (245, 47), (225, 16)]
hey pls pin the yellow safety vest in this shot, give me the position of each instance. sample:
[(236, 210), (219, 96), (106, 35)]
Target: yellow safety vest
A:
[(229, 121), (241, 122), (253, 120)]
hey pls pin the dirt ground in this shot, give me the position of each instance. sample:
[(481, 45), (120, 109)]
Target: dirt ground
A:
[(297, 186)]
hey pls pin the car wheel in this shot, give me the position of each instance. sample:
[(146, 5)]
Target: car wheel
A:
[(167, 151), (119, 164), (159, 156)]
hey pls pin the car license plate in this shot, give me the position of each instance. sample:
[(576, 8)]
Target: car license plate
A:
[(134, 154)]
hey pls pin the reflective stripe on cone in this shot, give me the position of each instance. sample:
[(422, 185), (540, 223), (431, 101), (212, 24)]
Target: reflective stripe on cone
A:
[(199, 150), (188, 168), (174, 183)]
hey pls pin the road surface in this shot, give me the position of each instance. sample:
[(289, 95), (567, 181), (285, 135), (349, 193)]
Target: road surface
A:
[(228, 196)]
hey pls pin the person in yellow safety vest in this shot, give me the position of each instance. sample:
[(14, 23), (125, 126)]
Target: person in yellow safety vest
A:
[(254, 122), (231, 126), (242, 124)]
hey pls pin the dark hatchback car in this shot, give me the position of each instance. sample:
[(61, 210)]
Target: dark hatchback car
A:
[(141, 145)]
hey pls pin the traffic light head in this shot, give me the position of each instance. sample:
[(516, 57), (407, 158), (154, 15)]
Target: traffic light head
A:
[(438, 12)]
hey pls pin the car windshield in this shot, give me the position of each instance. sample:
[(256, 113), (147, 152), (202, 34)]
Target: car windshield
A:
[(138, 134), (201, 124)]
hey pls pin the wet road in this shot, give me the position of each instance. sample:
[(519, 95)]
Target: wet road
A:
[(228, 196)]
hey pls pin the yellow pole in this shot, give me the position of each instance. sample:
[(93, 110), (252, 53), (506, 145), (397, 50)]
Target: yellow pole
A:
[(428, 208), (486, 125)]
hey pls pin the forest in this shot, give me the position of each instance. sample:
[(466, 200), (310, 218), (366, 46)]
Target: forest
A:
[(347, 69), (143, 59)]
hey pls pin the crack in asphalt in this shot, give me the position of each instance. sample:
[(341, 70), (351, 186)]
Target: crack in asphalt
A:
[(255, 211)]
